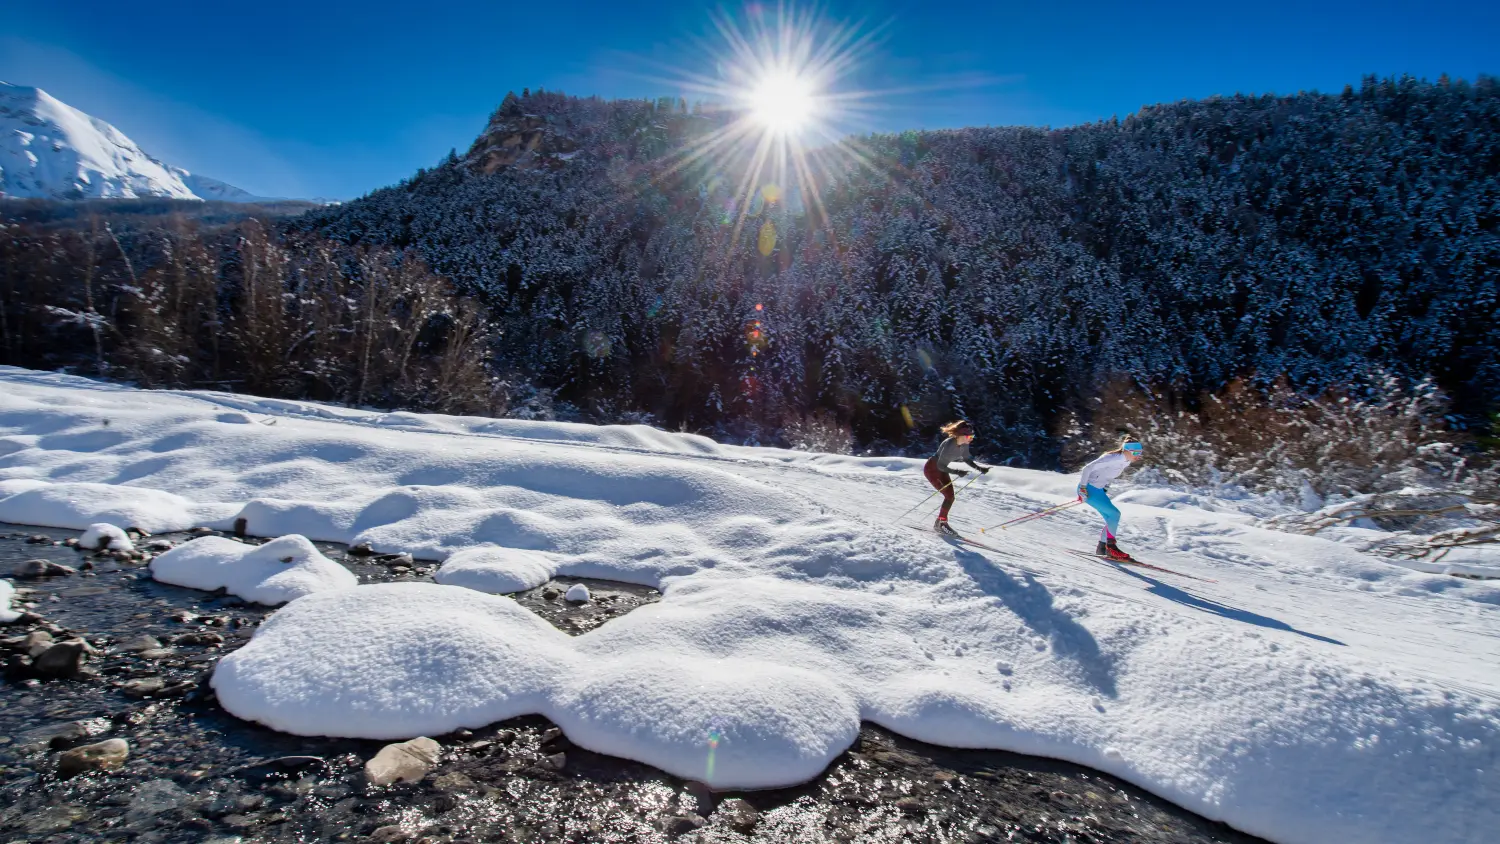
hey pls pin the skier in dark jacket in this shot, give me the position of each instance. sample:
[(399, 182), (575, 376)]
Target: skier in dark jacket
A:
[(955, 449)]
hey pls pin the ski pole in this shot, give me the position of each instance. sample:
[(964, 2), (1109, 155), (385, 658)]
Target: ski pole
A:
[(935, 492), (924, 501), (1031, 516)]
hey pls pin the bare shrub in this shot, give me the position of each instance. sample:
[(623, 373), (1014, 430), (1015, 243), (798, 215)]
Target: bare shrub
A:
[(820, 431), (1382, 438)]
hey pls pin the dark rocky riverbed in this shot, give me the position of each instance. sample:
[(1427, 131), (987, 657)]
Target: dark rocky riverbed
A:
[(194, 773)]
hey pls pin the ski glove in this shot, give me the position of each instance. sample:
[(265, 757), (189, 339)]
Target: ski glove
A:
[(962, 473), (984, 470), (1083, 492)]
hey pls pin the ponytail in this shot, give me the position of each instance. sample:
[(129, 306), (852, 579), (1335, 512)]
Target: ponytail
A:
[(961, 428)]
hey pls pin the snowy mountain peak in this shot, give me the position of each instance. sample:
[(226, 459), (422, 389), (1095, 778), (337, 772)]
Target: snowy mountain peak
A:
[(50, 150)]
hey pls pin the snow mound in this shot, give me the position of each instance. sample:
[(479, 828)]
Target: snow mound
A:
[(281, 570), (442, 658), (7, 594), (104, 536), (428, 659), (577, 593), (495, 569), (79, 505)]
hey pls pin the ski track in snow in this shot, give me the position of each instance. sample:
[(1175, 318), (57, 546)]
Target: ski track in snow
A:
[(1311, 694)]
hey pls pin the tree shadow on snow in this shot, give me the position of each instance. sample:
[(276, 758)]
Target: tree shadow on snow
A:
[(1172, 593), (1032, 602)]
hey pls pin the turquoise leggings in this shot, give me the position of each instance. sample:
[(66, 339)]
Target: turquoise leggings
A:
[(1099, 500)]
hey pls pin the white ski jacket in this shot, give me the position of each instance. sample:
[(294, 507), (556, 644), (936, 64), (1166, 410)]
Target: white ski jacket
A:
[(1100, 473)]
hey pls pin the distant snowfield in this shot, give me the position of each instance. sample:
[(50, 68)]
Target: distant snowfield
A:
[(1311, 694)]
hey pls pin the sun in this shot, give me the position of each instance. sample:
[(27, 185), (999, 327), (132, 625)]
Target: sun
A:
[(783, 102)]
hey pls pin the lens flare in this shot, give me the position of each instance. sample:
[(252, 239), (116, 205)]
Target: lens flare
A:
[(783, 102)]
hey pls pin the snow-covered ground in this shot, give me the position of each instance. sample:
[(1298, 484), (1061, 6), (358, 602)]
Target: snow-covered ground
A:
[(1310, 694)]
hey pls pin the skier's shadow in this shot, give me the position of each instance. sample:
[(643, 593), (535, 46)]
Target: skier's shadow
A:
[(1172, 593), (1031, 601)]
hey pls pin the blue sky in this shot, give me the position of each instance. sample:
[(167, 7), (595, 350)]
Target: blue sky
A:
[(338, 98)]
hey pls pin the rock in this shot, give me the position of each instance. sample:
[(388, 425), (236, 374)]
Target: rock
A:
[(204, 638), (682, 824), (53, 819), (363, 549), (388, 834), (39, 569), (71, 542), (155, 797), (406, 761), (143, 688), (38, 539), (402, 559), (453, 781), (201, 530), (54, 736), (36, 642), (107, 755), (18, 666), (141, 643), (702, 796), (233, 804), (554, 762), (505, 736), (159, 545), (911, 805), (550, 594), (155, 653), (278, 768), (550, 735), (64, 659), (577, 593), (739, 814)]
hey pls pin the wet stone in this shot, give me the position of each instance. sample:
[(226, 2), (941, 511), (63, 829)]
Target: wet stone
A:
[(405, 761), (64, 659), (155, 797), (54, 819), (682, 824), (107, 755), (453, 781), (41, 569), (739, 814), (141, 643)]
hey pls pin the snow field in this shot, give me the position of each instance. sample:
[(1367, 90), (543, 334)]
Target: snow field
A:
[(1285, 699)]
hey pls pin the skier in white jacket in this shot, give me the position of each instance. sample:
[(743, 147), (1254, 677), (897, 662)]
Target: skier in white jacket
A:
[(1093, 484)]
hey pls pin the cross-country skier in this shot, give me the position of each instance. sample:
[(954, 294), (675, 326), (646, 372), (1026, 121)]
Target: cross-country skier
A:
[(1093, 484), (938, 472)]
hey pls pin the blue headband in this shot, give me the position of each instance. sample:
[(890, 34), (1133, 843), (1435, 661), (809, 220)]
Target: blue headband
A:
[(1133, 447)]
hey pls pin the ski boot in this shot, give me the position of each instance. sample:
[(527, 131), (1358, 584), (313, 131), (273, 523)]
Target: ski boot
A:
[(1101, 550), (941, 526), (1113, 552)]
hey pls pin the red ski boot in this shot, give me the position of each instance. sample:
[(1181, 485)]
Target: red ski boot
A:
[(1113, 552)]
